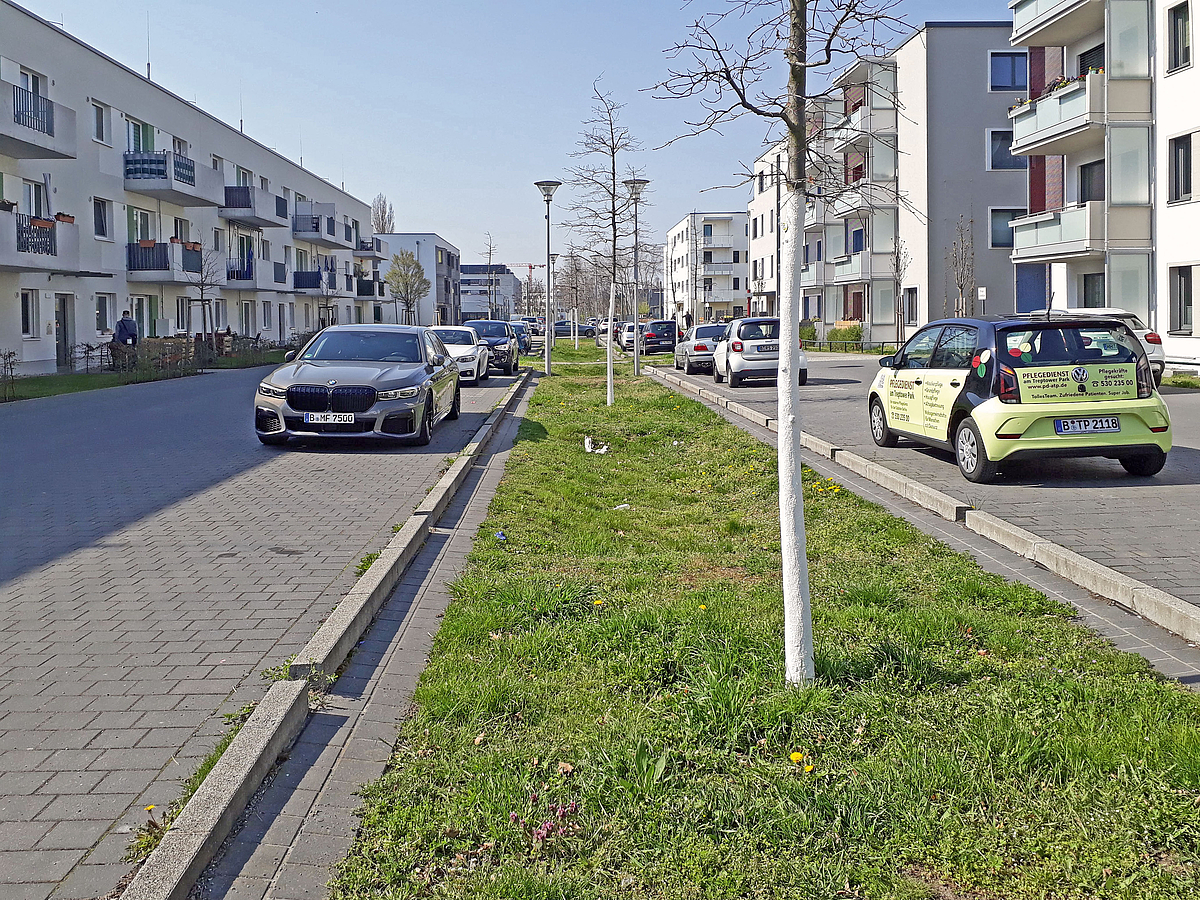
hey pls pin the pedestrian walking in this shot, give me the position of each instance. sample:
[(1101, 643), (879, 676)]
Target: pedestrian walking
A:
[(123, 348)]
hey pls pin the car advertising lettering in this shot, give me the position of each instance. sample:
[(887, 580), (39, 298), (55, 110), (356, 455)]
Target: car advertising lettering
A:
[(901, 400), (1074, 383)]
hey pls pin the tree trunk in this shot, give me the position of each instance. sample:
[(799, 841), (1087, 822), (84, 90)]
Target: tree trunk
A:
[(612, 312), (797, 615)]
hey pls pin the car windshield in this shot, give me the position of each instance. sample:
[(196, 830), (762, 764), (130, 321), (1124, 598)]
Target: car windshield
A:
[(518, 327), (768, 329), (373, 346), (455, 336), (491, 329), (1067, 345), (709, 331)]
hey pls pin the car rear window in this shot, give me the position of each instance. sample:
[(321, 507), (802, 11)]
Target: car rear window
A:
[(1067, 345), (709, 331), (455, 335), (759, 331), (661, 327)]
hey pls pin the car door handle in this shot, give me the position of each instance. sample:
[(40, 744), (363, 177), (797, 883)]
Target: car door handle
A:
[(955, 383), (917, 381)]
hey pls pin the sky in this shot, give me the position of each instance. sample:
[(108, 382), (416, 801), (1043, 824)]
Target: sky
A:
[(451, 108)]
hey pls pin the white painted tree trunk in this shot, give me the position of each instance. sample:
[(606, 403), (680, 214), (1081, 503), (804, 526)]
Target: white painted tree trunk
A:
[(608, 340), (797, 613)]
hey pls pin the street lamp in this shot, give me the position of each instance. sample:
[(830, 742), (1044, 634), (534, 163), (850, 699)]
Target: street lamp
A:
[(636, 186), (550, 336), (548, 188)]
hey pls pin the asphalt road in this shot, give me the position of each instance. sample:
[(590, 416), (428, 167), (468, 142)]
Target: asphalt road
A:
[(154, 558), (1145, 528)]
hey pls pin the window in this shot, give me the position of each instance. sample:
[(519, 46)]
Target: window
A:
[(1009, 72), (141, 224), (999, 155), (441, 256), (1091, 181), (707, 231), (34, 83), (754, 222), (1002, 235), (956, 348), (1179, 37), (771, 219), (264, 183), (183, 229), (762, 182), (917, 352), (910, 306), (818, 251), (33, 198), (707, 257), (737, 256), (104, 305), (179, 147), (218, 240), (1091, 59), (218, 164), (140, 136), (1181, 298), (245, 178), (737, 283), (102, 218), (29, 314), (1093, 290), (183, 314), (266, 314), (857, 240), (265, 254), (1180, 153), (100, 123), (806, 249)]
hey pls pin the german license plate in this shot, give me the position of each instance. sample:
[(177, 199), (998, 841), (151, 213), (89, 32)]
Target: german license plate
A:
[(328, 418), (1093, 425), (768, 348)]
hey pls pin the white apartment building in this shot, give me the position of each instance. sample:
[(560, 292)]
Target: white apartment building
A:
[(912, 147), (489, 292), (116, 193), (440, 260), (766, 199), (705, 268)]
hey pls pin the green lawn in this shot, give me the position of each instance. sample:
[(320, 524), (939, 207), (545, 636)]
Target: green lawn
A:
[(604, 713), (1182, 381), (267, 358)]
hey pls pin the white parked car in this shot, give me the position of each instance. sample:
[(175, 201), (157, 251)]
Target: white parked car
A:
[(469, 351), (696, 349), (1151, 341), (749, 348)]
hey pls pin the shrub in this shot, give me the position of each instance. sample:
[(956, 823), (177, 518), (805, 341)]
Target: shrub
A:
[(853, 334)]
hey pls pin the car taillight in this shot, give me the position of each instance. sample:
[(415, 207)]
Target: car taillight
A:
[(650, 334), (801, 343), (1010, 391), (1145, 381), (1153, 338), (701, 347), (736, 346)]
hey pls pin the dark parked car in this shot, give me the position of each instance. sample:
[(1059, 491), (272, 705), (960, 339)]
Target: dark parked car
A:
[(381, 381), (563, 328), (524, 341), (659, 337), (502, 342)]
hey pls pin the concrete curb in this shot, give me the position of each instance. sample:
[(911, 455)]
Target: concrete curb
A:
[(196, 835), (1163, 609), (206, 819)]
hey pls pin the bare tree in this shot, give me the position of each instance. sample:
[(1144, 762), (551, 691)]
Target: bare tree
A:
[(901, 259), (383, 217), (489, 250), (728, 63), (408, 284), (960, 266), (207, 281)]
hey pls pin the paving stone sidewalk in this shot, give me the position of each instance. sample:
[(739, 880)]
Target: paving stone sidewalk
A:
[(302, 823)]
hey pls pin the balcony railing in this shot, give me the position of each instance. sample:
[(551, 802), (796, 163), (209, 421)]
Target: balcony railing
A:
[(185, 170), (281, 207), (720, 268), (717, 240), (149, 164), (155, 258), (280, 273), (36, 238), (192, 261), (240, 269), (349, 233), (306, 224), (238, 197), (307, 281), (366, 288), (33, 110), (331, 226)]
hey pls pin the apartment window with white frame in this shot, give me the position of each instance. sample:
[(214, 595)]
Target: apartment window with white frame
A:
[(1001, 227), (1008, 72), (218, 240), (1000, 157), (245, 178), (264, 183), (101, 116), (1179, 37), (179, 147), (1180, 169), (183, 229), (266, 314), (104, 312), (183, 313), (29, 314), (265, 252), (102, 218), (910, 306), (1180, 278)]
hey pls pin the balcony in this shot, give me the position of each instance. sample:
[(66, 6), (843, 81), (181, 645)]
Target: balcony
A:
[(47, 247), (255, 207), (1054, 23), (861, 266), (317, 281), (1087, 229), (369, 288), (34, 127), (855, 130), (318, 224), (1073, 117), (170, 263), (812, 274), (174, 178), (718, 298), (372, 248), (862, 197), (816, 214), (717, 240), (254, 275), (717, 268)]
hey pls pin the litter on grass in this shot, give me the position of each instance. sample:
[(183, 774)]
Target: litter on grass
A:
[(590, 446)]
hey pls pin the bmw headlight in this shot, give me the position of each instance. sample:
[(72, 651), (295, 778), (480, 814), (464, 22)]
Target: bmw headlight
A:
[(401, 394), (269, 390), (467, 359)]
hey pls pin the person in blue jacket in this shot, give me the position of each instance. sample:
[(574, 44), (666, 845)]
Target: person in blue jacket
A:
[(124, 342)]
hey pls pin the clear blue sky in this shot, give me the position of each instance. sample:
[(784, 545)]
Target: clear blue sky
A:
[(450, 108)]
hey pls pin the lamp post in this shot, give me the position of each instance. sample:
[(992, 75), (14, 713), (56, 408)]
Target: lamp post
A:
[(548, 188), (636, 186), (550, 335)]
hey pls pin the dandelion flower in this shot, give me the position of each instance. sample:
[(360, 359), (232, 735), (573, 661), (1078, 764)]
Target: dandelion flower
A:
[(808, 768), (797, 756), (702, 606), (597, 603), (150, 808)]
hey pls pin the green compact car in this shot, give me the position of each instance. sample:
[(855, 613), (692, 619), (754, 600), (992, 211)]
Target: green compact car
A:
[(995, 391)]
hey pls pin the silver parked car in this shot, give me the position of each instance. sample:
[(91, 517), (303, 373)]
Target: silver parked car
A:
[(695, 350), (749, 348), (470, 351), (380, 381)]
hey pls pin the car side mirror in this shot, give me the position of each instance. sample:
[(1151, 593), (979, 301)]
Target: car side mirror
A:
[(438, 359), (289, 356), (482, 343), (887, 362)]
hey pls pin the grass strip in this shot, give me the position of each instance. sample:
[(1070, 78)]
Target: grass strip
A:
[(604, 712), (1182, 381)]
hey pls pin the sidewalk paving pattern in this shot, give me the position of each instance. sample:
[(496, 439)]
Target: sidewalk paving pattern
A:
[(146, 577), (1144, 528)]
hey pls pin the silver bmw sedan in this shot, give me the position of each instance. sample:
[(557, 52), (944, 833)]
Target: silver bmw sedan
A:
[(380, 381)]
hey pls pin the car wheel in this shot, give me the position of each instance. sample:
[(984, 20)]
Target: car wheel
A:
[(880, 433), (735, 378), (456, 406), (688, 368), (717, 376), (972, 456), (273, 440), (512, 367), (485, 372), (1145, 464), (425, 434), (804, 376), (675, 362), (1158, 377)]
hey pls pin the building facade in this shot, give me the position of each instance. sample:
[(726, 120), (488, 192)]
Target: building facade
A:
[(489, 292), (440, 260), (705, 268), (119, 195)]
